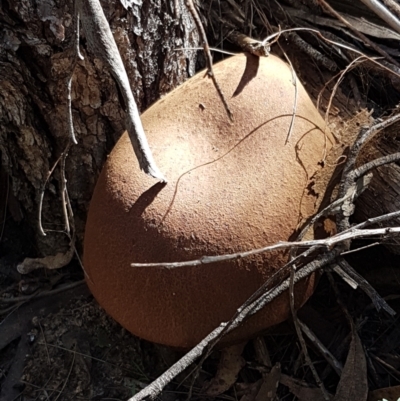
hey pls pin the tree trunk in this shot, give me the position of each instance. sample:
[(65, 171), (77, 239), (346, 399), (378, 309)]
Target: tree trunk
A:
[(35, 52)]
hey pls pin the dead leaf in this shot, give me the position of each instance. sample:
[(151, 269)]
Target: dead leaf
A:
[(301, 390), (387, 393), (267, 391), (250, 390), (353, 384), (230, 364)]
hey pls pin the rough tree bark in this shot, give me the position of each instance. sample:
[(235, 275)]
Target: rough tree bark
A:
[(35, 46)]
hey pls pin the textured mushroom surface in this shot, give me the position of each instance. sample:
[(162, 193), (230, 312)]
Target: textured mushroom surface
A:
[(231, 187)]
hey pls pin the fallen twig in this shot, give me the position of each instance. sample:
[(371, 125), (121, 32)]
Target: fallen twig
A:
[(206, 48), (301, 337), (367, 41), (327, 243), (243, 313)]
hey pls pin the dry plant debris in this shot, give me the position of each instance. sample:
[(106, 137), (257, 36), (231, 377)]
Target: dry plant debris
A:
[(375, 342)]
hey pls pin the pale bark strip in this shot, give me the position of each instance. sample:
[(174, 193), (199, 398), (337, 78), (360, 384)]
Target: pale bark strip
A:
[(101, 42)]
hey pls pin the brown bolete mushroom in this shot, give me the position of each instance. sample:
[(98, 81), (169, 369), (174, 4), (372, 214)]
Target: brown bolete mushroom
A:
[(232, 187)]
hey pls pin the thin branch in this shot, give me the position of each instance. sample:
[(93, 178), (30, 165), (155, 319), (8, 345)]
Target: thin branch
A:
[(361, 248), (327, 243), (312, 52), (336, 365), (41, 196), (378, 219), (350, 174), (376, 299), (367, 41), (342, 46), (250, 45), (301, 337), (156, 387), (365, 168), (64, 193), (206, 48)]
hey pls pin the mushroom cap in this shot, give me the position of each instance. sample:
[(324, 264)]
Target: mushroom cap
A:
[(231, 187)]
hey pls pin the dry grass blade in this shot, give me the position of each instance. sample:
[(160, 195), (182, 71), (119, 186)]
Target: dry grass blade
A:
[(353, 384)]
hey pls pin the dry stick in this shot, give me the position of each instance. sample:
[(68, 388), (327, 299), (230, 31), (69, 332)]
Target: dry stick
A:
[(378, 302), (315, 54), (157, 385), (76, 54), (69, 215), (367, 41), (330, 209), (349, 187), (327, 243), (394, 157), (380, 10), (64, 193), (325, 39), (265, 287), (256, 295), (71, 130), (335, 364), (393, 370), (378, 219), (319, 34), (206, 48), (376, 299), (345, 277), (250, 45), (101, 42), (301, 337), (361, 248), (41, 196), (349, 175)]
